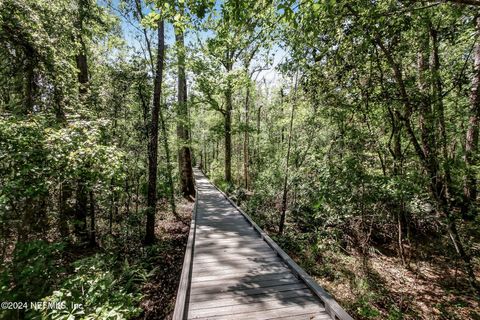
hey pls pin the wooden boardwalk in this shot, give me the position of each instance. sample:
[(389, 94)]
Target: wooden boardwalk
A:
[(233, 270)]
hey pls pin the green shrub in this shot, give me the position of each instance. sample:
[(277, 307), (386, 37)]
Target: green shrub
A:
[(95, 291), (366, 309), (32, 273), (33, 270)]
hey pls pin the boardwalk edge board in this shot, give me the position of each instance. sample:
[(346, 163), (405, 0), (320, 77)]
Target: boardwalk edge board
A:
[(180, 310), (331, 306)]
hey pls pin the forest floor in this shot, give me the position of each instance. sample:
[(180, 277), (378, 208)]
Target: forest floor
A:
[(160, 292), (380, 287), (432, 285), (142, 281)]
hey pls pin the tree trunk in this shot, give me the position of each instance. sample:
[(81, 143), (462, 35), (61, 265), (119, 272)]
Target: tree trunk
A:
[(83, 70), (129, 195), (80, 222), (426, 121), (81, 57), (93, 241), (171, 189), (137, 193), (112, 206), (257, 143), (439, 110), (140, 16), (205, 152), (396, 152), (228, 132), (150, 237), (245, 139), (64, 210), (81, 192), (437, 188), (469, 209), (153, 141), (285, 180), (30, 84), (184, 153)]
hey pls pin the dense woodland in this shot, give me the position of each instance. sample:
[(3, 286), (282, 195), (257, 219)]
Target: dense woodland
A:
[(348, 130)]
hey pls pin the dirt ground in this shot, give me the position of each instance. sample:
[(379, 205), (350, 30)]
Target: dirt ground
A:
[(160, 292), (385, 289)]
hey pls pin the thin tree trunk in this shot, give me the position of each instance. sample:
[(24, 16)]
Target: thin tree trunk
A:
[(228, 132), (145, 109), (140, 16), (257, 143), (285, 180), (81, 192), (439, 110), (80, 222), (437, 188), (469, 209), (153, 140), (282, 113), (245, 139), (129, 196), (29, 84), (93, 240), (184, 153), (396, 153), (112, 206), (137, 194), (159, 114), (205, 152), (64, 210)]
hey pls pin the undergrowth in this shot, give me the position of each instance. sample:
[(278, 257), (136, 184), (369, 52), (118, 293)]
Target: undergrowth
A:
[(96, 285)]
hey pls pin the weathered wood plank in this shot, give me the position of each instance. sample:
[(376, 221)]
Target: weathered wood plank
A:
[(332, 307), (216, 234), (219, 246), (232, 266), (219, 269), (232, 220), (235, 272), (300, 302), (206, 251), (271, 314), (235, 256), (222, 237), (226, 231), (238, 288), (239, 274), (240, 261), (235, 246), (229, 240), (250, 282), (234, 300), (247, 293)]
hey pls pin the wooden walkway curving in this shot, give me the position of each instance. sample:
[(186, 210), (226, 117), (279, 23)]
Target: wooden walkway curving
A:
[(233, 270)]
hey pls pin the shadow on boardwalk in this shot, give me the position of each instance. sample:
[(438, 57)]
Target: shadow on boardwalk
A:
[(235, 273)]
